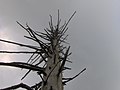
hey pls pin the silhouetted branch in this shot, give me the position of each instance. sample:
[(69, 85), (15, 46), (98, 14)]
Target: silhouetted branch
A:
[(31, 56), (23, 65), (40, 61), (68, 22), (18, 52), (21, 85), (66, 68), (64, 60), (51, 50), (26, 74), (19, 44), (69, 79), (22, 26), (36, 86)]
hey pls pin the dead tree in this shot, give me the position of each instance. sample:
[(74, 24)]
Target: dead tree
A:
[(47, 58)]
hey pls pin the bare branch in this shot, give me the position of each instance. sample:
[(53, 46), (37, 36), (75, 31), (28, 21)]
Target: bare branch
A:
[(19, 44), (19, 52), (64, 60), (36, 86), (69, 79), (30, 70), (23, 65), (68, 22), (21, 85)]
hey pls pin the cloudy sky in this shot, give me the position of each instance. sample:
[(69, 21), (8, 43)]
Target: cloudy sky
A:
[(94, 36)]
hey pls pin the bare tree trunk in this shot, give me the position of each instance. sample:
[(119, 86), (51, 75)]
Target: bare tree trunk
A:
[(52, 53), (53, 81)]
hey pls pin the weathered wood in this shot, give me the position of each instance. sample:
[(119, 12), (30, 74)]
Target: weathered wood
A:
[(52, 81), (52, 53)]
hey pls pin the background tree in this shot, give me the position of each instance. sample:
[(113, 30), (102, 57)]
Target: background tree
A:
[(48, 57)]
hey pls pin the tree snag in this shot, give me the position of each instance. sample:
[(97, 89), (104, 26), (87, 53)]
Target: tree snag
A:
[(52, 53)]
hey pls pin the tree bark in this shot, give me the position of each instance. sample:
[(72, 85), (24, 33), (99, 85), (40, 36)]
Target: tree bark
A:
[(53, 81)]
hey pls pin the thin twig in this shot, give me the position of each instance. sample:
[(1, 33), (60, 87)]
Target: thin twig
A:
[(19, 52), (69, 79)]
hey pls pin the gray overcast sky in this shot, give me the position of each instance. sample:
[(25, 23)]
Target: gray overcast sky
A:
[(94, 36)]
